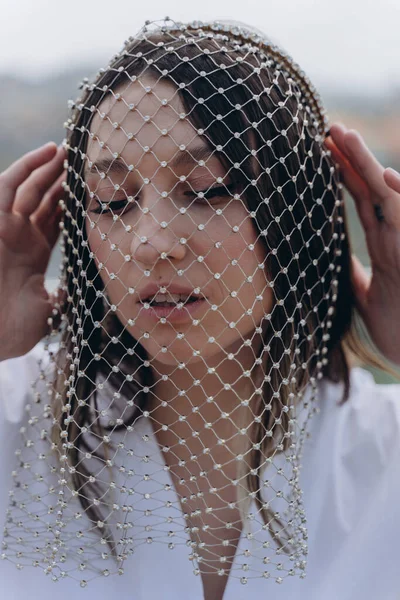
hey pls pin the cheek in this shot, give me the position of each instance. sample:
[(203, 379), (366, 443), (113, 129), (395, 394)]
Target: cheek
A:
[(247, 272), (240, 259), (111, 261), (96, 244), (237, 245)]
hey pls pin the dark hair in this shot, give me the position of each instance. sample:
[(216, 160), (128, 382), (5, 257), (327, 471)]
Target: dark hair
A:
[(296, 205)]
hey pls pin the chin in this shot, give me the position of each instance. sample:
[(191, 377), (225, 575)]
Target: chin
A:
[(170, 351)]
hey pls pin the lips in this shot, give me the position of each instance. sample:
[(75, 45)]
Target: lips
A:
[(174, 303), (168, 294), (170, 299)]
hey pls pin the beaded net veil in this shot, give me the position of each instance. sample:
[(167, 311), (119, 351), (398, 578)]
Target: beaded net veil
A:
[(201, 238)]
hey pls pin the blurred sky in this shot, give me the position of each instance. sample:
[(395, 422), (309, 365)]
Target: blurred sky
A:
[(352, 43)]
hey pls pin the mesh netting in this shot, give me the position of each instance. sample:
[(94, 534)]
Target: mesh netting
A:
[(201, 233)]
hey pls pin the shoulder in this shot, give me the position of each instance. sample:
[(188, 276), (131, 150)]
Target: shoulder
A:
[(16, 378), (367, 425), (370, 404), (351, 475)]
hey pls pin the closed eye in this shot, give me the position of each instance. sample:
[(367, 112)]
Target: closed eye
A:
[(115, 205), (201, 196), (223, 190)]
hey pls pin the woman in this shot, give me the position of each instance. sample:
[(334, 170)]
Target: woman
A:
[(206, 314)]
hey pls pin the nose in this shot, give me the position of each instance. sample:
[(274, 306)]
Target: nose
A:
[(156, 235)]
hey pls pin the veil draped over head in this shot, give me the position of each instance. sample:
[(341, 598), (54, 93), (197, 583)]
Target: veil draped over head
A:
[(202, 242)]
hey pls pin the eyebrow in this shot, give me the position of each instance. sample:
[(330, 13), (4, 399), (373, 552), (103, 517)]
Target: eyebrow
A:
[(185, 157)]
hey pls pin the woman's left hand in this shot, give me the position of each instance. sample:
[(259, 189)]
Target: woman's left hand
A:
[(376, 192)]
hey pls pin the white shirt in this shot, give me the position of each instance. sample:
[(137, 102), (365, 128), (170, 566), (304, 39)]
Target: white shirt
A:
[(351, 483)]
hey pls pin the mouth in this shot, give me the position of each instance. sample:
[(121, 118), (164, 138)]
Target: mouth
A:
[(169, 300), (174, 304)]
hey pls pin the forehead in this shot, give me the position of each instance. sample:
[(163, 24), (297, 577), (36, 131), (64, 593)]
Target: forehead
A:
[(139, 114)]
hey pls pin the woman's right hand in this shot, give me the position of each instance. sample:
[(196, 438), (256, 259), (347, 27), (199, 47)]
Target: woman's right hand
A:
[(29, 228)]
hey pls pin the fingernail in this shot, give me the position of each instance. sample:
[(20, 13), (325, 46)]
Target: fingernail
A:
[(340, 125), (357, 134), (393, 172)]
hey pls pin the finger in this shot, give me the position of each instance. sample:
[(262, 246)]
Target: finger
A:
[(337, 132), (30, 193), (355, 185), (336, 145), (47, 218), (392, 179), (51, 228), (365, 163), (361, 281), (20, 170), (49, 204)]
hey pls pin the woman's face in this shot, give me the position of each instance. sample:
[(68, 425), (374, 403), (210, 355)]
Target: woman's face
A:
[(185, 274)]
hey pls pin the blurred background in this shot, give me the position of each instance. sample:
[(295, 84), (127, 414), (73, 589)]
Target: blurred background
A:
[(349, 48)]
